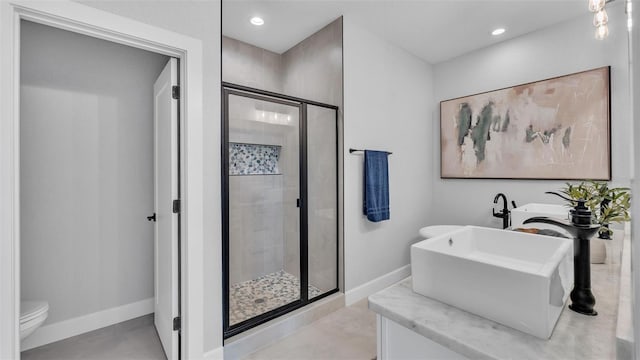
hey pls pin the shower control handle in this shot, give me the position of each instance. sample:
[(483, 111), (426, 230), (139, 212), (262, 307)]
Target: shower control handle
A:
[(152, 217), (297, 202)]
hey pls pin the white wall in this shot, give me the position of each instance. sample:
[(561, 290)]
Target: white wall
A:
[(562, 49), (200, 20), (388, 106), (86, 171), (635, 169)]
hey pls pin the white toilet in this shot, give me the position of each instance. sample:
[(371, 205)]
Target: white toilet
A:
[(429, 232), (32, 315)]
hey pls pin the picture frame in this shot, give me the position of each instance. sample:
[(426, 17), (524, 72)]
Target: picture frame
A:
[(552, 129)]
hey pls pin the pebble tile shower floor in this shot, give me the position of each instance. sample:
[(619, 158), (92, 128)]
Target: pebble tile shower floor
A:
[(254, 297)]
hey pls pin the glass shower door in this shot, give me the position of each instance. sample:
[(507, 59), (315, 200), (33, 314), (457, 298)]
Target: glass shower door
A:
[(263, 179), (322, 207)]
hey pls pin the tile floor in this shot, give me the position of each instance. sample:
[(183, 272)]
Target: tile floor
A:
[(347, 334), (254, 297), (129, 340)]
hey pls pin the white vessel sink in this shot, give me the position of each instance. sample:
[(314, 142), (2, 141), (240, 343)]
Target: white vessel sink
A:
[(429, 232), (516, 279), (524, 212)]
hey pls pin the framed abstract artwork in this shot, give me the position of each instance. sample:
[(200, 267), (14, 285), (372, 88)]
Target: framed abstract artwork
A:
[(558, 128)]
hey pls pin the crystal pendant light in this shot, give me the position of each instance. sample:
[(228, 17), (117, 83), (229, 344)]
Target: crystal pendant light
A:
[(600, 18), (602, 32), (596, 5)]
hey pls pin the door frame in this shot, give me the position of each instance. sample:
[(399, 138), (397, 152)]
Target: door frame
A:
[(100, 24)]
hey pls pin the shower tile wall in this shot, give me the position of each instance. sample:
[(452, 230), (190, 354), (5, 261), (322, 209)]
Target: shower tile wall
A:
[(312, 70), (255, 218), (256, 212), (291, 262), (291, 239), (251, 66)]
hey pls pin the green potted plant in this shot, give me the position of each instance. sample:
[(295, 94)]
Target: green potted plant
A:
[(608, 205)]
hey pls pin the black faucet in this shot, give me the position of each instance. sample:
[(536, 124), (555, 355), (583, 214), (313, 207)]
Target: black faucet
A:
[(580, 227), (504, 213)]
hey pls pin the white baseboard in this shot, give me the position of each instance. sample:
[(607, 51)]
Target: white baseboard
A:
[(82, 324), (215, 354), (354, 295)]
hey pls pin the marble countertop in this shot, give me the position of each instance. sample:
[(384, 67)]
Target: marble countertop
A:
[(576, 336)]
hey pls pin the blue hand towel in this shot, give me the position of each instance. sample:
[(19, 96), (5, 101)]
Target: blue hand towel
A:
[(376, 185)]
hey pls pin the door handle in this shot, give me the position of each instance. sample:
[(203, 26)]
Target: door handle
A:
[(152, 217)]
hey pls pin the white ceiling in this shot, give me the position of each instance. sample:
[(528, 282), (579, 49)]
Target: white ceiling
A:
[(434, 30)]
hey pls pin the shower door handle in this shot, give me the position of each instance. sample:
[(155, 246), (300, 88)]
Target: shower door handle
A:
[(297, 202)]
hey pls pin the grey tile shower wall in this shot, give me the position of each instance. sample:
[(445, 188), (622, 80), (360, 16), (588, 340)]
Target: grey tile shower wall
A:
[(256, 227), (253, 159), (259, 205), (256, 206), (313, 70), (248, 65), (290, 161)]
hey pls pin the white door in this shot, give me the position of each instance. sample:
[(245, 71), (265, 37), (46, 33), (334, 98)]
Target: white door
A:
[(165, 120)]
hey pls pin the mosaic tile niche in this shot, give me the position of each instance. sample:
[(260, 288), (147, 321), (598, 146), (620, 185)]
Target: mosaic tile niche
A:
[(253, 159)]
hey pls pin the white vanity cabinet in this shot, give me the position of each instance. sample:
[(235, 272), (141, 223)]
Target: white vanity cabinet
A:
[(396, 342)]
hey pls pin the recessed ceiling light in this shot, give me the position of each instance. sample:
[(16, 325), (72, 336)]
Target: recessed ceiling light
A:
[(257, 21), (498, 31)]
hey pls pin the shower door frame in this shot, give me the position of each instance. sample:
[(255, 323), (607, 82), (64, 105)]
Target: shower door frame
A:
[(263, 95)]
